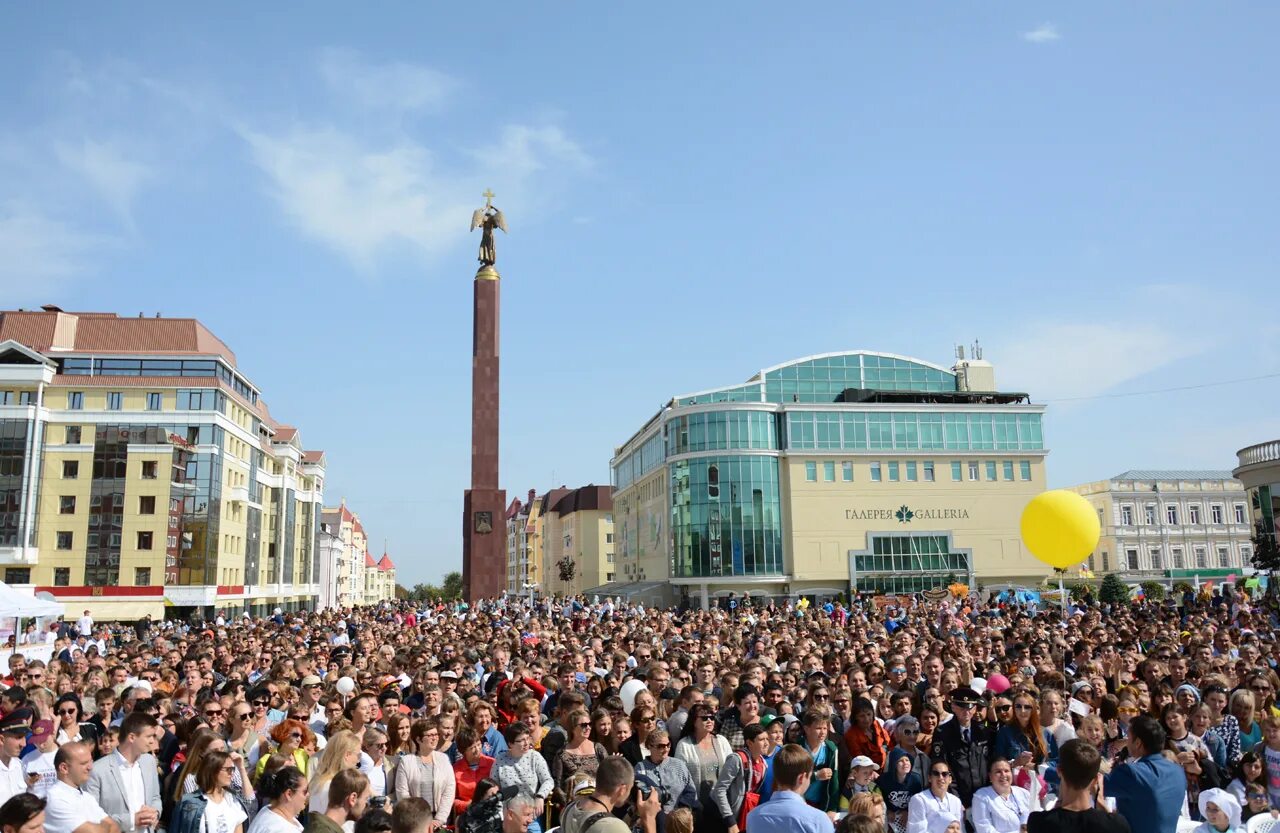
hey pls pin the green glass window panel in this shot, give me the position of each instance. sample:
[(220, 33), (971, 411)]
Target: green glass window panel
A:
[(811, 471), (991, 469), (893, 471), (829, 471), (912, 474), (957, 470), (1007, 466), (875, 472), (1024, 469)]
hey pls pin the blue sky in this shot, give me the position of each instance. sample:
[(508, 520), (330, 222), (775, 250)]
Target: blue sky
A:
[(694, 192)]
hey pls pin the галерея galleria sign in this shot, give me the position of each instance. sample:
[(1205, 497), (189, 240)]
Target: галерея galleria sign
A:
[(904, 514)]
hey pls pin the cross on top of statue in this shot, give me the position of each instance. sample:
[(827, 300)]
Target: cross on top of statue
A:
[(487, 219)]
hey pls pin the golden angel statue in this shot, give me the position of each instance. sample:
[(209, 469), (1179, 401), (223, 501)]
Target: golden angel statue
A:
[(488, 218)]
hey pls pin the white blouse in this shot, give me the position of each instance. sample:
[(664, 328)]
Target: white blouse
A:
[(995, 814), (925, 806)]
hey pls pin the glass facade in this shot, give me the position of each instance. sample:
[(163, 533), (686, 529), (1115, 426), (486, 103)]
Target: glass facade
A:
[(157, 367), (726, 517), (13, 453), (823, 378), (1264, 508), (912, 431), (722, 431), (905, 563)]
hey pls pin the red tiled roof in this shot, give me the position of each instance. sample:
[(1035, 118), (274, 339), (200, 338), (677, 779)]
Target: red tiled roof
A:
[(312, 456), (368, 561), (285, 433), (586, 498), (108, 333), (386, 563)]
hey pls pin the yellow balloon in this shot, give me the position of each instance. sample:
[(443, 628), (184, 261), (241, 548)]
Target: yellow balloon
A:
[(1060, 528)]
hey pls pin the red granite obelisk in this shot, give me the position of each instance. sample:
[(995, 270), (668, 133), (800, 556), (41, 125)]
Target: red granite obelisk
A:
[(484, 530)]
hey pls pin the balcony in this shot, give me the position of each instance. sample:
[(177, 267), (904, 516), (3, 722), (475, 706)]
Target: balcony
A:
[(1268, 452)]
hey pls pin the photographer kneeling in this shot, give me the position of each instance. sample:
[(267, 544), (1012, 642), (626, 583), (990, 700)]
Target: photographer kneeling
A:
[(595, 813)]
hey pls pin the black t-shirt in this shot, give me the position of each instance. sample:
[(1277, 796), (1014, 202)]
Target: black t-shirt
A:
[(1092, 820)]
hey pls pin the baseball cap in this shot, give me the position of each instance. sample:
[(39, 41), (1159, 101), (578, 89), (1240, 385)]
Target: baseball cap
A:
[(41, 731), (448, 675), (311, 679), (863, 760)]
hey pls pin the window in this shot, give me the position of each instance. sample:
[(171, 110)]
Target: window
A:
[(1216, 514), (1106, 562), (608, 556), (1126, 515), (144, 540), (70, 469), (17, 575), (1007, 467), (64, 540), (1155, 559), (846, 471), (155, 401), (713, 481), (147, 506), (609, 576), (75, 400), (7, 398), (61, 576), (893, 471), (811, 471), (1171, 514), (150, 468), (1202, 558), (67, 505), (829, 471), (1240, 513), (928, 471), (1193, 512), (1224, 557), (1150, 512), (991, 469), (142, 576), (1131, 557), (973, 469), (72, 435), (1024, 469), (875, 472), (26, 397), (115, 400), (1179, 563), (912, 473), (1246, 555), (957, 471)]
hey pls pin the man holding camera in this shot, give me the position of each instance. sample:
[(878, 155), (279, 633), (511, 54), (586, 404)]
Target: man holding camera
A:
[(594, 813)]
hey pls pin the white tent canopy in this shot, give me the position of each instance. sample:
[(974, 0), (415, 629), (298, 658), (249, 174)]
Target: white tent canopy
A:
[(16, 603)]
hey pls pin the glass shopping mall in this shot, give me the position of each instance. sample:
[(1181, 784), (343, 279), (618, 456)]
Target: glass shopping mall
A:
[(855, 471)]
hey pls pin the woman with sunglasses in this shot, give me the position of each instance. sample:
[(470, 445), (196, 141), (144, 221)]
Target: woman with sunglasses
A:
[(71, 725), (1023, 741), (675, 785), (428, 774), (934, 807), (644, 720), (704, 752), (211, 807), (241, 736), (286, 794), (579, 754), (291, 740)]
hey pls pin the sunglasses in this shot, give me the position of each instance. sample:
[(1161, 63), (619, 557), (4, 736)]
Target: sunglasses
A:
[(262, 704), (660, 746), (1023, 707), (584, 725), (295, 736), (242, 715), (212, 712), (1003, 709), (68, 712), (934, 773)]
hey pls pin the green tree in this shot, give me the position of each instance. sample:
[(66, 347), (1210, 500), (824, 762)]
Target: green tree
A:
[(1266, 552), (1153, 590), (1113, 590), (452, 587)]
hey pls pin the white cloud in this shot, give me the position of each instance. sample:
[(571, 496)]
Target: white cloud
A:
[(40, 253), (1044, 33), (1067, 360), (395, 87), (115, 178), (363, 200)]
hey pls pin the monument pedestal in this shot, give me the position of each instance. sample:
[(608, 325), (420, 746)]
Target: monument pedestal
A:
[(484, 543)]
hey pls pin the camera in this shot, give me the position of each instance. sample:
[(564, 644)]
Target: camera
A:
[(378, 802)]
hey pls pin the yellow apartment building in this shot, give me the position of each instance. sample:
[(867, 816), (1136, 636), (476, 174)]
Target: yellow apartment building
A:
[(576, 530), (142, 473), (857, 471)]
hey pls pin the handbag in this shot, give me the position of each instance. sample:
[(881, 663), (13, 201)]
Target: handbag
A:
[(751, 796)]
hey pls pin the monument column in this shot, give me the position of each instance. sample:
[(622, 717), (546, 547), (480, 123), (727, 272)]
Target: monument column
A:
[(484, 532)]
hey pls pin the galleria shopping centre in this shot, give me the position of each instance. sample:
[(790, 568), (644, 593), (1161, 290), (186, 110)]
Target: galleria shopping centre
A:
[(859, 470)]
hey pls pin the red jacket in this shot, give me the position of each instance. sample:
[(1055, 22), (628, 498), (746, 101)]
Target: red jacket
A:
[(875, 747), (506, 718), (466, 779)]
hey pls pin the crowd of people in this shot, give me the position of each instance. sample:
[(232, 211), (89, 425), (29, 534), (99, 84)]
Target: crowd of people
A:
[(899, 715)]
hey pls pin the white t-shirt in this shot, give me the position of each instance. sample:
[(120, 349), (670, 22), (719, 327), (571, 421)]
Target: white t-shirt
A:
[(377, 775), (266, 821), (41, 763), (223, 816), (68, 808), (13, 779)]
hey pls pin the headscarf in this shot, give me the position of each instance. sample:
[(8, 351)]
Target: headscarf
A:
[(888, 781), (938, 823), (1226, 802)]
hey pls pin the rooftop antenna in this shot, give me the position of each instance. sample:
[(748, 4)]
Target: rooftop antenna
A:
[(960, 352), (977, 350)]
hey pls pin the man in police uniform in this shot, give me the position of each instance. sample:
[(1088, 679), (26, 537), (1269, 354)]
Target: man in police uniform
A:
[(964, 745)]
